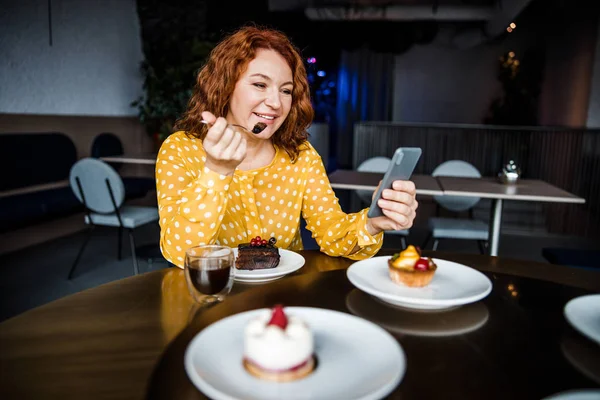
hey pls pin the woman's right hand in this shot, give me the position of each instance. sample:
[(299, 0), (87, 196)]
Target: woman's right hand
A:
[(225, 148)]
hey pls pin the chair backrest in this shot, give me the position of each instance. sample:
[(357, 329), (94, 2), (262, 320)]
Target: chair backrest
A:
[(374, 164), (107, 144), (319, 138), (461, 169), (93, 174)]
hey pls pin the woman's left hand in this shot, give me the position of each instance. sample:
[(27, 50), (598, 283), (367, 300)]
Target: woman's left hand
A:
[(399, 206)]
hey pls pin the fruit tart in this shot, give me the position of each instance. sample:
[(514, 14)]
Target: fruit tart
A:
[(410, 269)]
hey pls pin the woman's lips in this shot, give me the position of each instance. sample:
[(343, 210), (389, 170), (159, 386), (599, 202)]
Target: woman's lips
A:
[(266, 118)]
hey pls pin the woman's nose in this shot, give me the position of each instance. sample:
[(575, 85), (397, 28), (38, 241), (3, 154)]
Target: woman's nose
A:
[(272, 100)]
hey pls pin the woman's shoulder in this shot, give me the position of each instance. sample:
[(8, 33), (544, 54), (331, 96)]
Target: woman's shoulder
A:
[(180, 144), (306, 149), (179, 140), (181, 136), (307, 153)]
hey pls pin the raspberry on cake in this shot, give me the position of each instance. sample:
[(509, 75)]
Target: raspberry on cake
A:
[(410, 269), (258, 254), (277, 347)]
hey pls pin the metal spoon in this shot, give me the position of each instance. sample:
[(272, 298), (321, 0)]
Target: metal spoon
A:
[(258, 128)]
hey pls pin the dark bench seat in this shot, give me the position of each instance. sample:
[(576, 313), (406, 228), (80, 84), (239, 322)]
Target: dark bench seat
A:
[(20, 210), (34, 184)]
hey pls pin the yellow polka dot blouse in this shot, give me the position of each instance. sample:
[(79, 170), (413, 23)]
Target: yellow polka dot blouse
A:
[(198, 206)]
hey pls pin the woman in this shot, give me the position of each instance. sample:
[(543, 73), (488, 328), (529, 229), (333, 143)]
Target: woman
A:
[(222, 184)]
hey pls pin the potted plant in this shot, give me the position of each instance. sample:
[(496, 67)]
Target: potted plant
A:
[(168, 84)]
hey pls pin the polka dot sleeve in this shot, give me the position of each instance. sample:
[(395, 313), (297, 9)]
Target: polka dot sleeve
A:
[(191, 199), (336, 232)]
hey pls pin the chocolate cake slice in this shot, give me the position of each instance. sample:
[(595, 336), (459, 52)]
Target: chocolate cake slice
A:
[(258, 254)]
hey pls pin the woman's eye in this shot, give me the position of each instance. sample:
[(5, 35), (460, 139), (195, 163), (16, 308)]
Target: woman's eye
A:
[(287, 91), (260, 85)]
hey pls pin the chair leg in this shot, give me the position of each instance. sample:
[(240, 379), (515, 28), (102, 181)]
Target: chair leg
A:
[(426, 241), (120, 242), (85, 242), (133, 255), (403, 242), (435, 244), (482, 246)]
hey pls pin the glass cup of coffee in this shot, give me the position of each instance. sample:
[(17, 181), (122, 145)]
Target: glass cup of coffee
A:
[(209, 272)]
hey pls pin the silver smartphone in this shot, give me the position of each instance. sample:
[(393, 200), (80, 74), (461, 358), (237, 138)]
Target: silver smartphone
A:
[(401, 168)]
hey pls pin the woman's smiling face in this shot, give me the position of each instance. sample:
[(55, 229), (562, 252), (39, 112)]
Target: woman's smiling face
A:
[(263, 93)]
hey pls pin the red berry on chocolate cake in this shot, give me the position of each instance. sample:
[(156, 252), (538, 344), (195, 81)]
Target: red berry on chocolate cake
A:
[(258, 254)]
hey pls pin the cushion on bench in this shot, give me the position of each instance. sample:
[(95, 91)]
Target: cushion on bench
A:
[(30, 160), (24, 209)]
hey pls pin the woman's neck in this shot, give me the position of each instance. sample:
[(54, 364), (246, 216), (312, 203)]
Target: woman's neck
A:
[(259, 153)]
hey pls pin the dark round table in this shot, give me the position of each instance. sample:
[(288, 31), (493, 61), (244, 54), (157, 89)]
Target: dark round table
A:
[(126, 339)]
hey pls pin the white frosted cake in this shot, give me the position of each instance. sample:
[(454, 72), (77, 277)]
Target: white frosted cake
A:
[(277, 347)]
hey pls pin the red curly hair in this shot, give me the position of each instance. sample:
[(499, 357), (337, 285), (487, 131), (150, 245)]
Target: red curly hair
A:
[(227, 61)]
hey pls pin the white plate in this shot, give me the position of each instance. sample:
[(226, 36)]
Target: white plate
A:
[(457, 321), (583, 355), (575, 395), (289, 262), (583, 313), (356, 359), (452, 285)]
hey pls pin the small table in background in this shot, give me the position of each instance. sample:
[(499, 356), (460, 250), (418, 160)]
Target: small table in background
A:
[(491, 188), (356, 180), (488, 188)]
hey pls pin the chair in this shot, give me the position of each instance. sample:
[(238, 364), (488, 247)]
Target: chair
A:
[(457, 228), (107, 144), (378, 164), (100, 189)]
